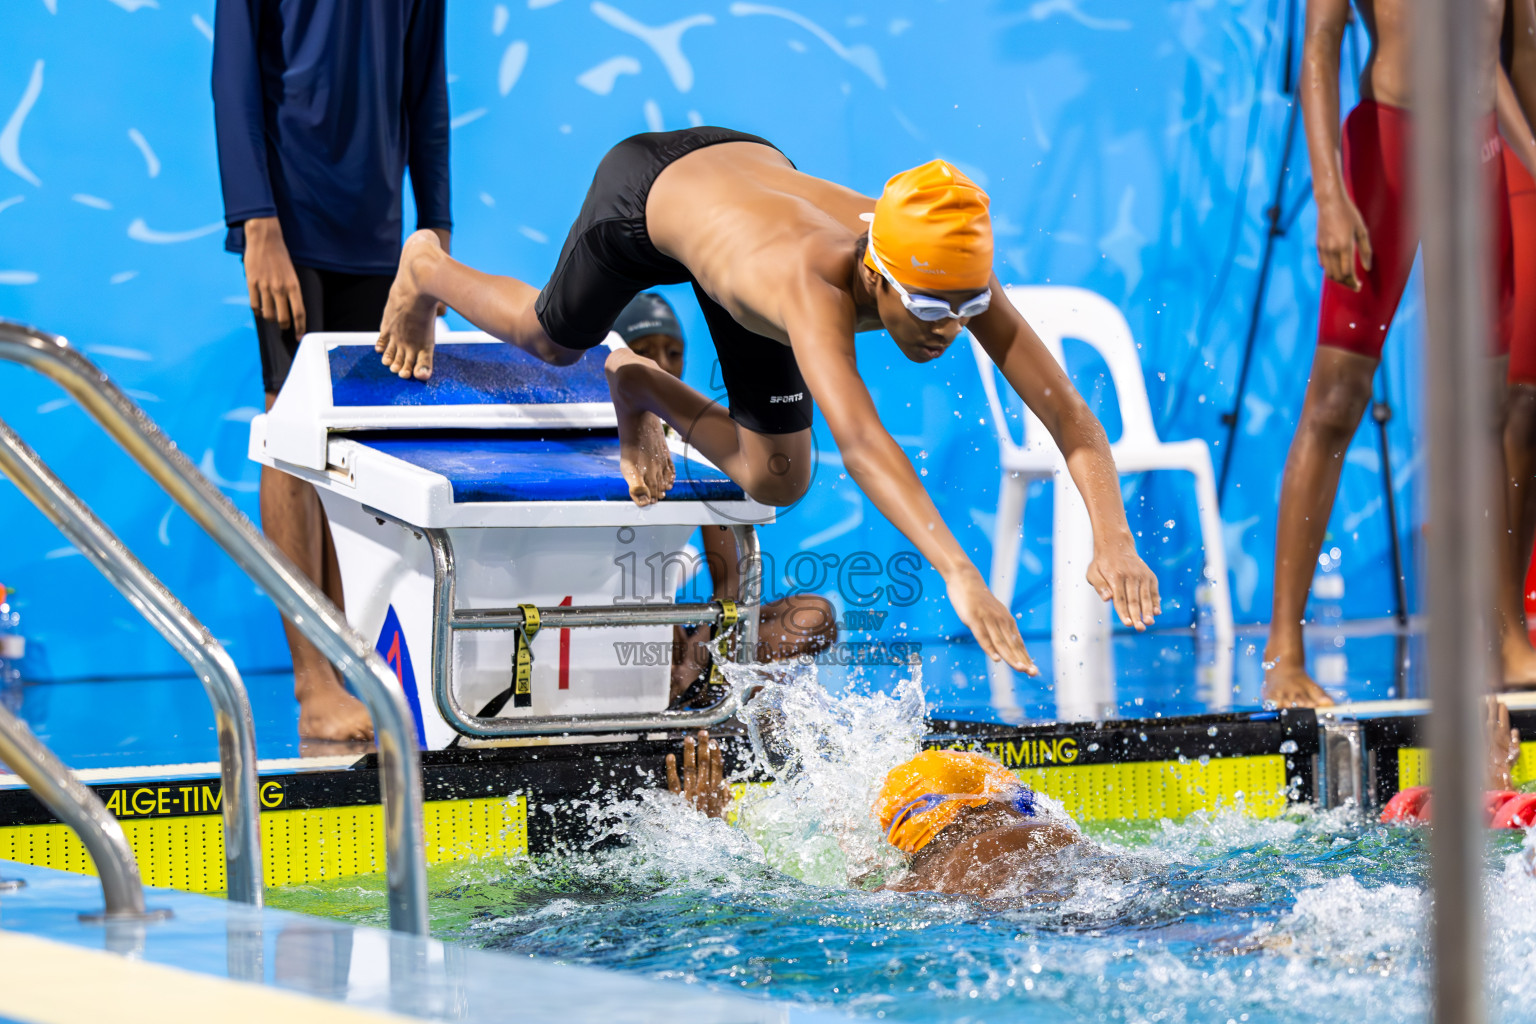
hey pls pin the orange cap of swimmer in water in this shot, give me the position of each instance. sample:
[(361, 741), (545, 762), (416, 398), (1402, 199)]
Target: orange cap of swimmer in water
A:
[(932, 230), (908, 815)]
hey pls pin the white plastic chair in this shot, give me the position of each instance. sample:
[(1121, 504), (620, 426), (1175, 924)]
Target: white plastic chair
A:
[(1082, 624)]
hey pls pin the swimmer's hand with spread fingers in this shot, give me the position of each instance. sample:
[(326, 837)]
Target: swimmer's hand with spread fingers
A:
[(989, 621), (1119, 575), (407, 333), (703, 783)]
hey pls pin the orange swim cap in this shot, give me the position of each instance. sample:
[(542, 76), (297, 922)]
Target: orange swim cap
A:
[(932, 230), (936, 773)]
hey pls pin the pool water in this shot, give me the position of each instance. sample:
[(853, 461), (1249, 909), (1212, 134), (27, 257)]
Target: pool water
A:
[(1313, 916)]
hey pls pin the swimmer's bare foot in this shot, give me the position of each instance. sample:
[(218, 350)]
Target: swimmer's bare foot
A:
[(406, 335), (1519, 663), (643, 455), (1289, 686), (326, 710)]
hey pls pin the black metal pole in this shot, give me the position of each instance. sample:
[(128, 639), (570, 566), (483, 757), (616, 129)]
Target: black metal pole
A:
[(1278, 226)]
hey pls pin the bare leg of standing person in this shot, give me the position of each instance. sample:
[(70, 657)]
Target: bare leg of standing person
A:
[(1337, 394), (293, 519)]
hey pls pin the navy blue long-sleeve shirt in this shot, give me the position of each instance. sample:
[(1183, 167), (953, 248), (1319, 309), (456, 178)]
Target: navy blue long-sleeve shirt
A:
[(320, 107)]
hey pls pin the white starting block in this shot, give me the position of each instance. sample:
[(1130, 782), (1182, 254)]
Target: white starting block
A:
[(486, 536)]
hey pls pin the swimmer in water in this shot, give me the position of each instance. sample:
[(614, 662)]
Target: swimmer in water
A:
[(794, 625), (787, 268), (971, 827), (967, 824)]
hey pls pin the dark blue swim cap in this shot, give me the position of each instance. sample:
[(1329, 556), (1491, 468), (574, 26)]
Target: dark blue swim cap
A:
[(647, 313)]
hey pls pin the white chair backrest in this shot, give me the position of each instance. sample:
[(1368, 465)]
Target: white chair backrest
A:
[(988, 371), (1057, 312)]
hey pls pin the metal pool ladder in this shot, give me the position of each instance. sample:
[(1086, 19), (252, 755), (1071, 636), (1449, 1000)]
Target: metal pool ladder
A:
[(299, 600)]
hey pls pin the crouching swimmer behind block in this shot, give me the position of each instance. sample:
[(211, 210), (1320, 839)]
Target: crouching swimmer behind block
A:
[(787, 268)]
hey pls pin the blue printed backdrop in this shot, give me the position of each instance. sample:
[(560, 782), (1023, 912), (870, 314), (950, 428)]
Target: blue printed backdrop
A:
[(1131, 147)]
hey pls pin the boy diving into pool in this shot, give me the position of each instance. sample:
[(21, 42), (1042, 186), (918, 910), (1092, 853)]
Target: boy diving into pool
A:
[(787, 268)]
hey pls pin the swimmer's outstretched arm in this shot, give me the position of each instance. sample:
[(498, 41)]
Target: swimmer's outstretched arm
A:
[(820, 328), (1117, 571)]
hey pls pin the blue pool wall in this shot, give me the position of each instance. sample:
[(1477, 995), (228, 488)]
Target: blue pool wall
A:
[(1130, 147)]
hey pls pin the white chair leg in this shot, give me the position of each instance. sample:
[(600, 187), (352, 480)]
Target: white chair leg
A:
[(1007, 537), (1219, 695), (1081, 628)]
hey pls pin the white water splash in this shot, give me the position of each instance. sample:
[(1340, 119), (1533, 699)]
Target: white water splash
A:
[(533, 234), (464, 119), (18, 277), (652, 112), (139, 231), (123, 276), (132, 5), (499, 18), (151, 161), (94, 202), (120, 352), (860, 56), (666, 41), (512, 63), (10, 135), (828, 757), (6, 204), (601, 77), (202, 26), (210, 469), (1041, 10)]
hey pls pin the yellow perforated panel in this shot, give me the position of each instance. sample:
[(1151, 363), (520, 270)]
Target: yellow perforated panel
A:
[(1150, 789), (1413, 766), (298, 846), (1164, 789)]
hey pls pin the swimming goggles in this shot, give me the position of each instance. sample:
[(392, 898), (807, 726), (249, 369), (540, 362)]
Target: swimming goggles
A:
[(930, 308), (1022, 801)]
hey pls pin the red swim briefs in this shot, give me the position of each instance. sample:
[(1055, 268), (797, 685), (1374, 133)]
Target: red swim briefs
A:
[(1522, 218), (1377, 150)]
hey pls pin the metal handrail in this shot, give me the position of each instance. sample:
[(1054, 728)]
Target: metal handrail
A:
[(443, 625), (296, 597), (231, 706), (82, 810)]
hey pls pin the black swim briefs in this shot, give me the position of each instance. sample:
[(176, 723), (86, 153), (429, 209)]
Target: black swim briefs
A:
[(608, 259)]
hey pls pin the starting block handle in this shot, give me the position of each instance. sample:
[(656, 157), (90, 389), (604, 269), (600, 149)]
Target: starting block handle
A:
[(529, 619), (446, 619)]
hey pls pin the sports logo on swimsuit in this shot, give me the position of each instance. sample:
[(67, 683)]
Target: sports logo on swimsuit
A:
[(780, 399)]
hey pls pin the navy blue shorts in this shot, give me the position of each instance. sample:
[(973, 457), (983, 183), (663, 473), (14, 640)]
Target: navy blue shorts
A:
[(608, 259)]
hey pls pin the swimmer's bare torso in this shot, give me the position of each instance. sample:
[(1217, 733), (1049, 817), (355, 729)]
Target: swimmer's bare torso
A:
[(987, 851), (1388, 73), (769, 243)]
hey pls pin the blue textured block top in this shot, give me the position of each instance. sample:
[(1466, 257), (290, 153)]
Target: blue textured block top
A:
[(320, 106), (553, 466)]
